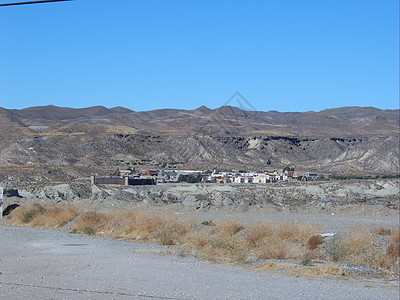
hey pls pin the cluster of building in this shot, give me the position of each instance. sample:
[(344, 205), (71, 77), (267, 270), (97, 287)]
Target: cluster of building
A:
[(271, 176), (153, 176)]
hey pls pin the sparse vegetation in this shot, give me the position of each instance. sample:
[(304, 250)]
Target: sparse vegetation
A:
[(314, 241), (393, 250), (307, 258), (208, 223), (336, 248), (362, 177), (226, 241), (46, 217), (88, 230), (380, 231)]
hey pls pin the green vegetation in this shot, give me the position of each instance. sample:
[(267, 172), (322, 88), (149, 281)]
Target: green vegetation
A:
[(31, 213), (88, 231), (287, 168), (336, 248), (190, 178)]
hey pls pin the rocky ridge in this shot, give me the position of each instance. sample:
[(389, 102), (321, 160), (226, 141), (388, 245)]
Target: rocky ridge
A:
[(56, 143), (233, 196)]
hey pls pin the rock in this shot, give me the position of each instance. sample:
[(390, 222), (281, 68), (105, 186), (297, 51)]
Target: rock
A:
[(191, 201)]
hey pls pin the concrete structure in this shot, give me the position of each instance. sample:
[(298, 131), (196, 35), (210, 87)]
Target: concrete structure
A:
[(123, 180)]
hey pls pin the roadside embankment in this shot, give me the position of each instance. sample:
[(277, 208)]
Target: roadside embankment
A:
[(229, 196)]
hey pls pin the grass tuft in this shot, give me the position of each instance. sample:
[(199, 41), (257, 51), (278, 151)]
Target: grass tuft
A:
[(336, 248), (393, 250), (230, 227), (228, 240), (92, 222), (39, 216)]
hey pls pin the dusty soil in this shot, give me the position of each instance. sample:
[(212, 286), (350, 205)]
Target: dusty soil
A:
[(52, 264)]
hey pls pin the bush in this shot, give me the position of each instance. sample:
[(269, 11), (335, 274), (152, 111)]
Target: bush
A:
[(207, 223), (91, 222), (336, 248), (380, 231), (31, 213), (314, 241), (307, 259), (230, 227), (88, 231), (256, 233), (393, 250)]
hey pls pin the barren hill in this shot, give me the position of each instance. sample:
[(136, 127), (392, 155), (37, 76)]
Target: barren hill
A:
[(80, 141)]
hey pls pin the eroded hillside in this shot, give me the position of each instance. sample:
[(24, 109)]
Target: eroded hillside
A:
[(76, 142)]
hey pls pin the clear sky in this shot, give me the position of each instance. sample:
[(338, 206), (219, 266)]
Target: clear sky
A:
[(285, 55)]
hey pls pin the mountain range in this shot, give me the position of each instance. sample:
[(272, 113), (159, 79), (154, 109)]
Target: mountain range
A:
[(76, 142)]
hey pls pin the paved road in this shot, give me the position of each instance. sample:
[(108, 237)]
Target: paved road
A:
[(50, 264)]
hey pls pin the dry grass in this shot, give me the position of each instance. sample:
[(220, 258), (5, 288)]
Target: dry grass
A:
[(199, 240), (296, 270), (38, 216), (55, 217), (229, 227), (282, 241), (223, 249), (295, 232), (172, 231), (93, 222), (363, 248), (319, 271), (275, 248), (227, 240), (393, 250), (138, 224), (379, 230), (257, 233)]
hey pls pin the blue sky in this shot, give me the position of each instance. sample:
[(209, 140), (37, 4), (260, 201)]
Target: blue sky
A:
[(151, 54)]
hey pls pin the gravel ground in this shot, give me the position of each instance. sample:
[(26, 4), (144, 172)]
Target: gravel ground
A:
[(52, 264)]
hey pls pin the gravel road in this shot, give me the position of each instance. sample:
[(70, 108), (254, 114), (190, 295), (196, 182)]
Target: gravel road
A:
[(51, 264)]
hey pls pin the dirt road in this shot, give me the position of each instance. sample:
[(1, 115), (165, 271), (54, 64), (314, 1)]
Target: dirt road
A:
[(50, 264)]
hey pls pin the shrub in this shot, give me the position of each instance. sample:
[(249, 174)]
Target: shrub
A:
[(208, 223), (200, 240), (31, 213), (88, 230), (227, 248), (55, 216), (314, 241), (39, 216), (393, 250), (295, 232), (336, 248), (229, 227), (307, 259), (380, 231), (256, 233), (93, 220)]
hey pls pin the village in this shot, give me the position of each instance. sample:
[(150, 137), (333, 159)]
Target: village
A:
[(154, 176)]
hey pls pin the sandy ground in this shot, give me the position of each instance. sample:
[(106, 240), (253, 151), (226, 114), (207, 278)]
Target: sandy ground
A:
[(53, 264)]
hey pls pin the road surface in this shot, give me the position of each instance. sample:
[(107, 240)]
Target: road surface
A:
[(52, 264)]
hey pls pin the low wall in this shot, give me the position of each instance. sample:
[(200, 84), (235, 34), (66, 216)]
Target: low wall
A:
[(123, 181)]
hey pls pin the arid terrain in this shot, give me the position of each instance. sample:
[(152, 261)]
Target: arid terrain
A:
[(253, 222), (325, 239), (49, 264), (54, 143)]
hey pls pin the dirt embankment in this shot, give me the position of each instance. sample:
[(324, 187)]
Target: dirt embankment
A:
[(236, 197)]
